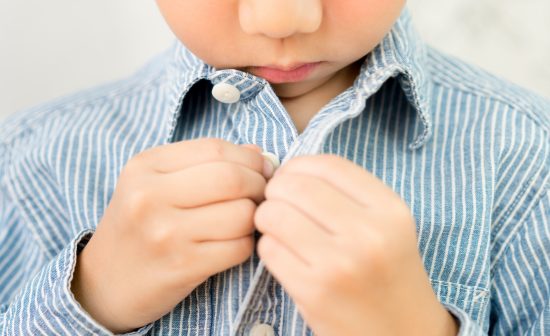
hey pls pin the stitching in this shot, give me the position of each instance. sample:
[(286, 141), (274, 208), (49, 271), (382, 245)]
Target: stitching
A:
[(516, 234)]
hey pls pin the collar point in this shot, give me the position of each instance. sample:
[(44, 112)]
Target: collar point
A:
[(420, 140)]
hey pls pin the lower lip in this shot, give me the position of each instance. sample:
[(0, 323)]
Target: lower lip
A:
[(277, 76)]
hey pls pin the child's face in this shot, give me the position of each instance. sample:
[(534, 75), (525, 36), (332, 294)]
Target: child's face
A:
[(247, 34)]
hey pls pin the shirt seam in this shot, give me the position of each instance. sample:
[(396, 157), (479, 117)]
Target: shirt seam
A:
[(522, 228), (33, 236), (515, 107), (7, 143), (441, 67), (57, 111)]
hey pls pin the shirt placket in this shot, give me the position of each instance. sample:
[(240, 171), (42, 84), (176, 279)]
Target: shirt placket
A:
[(259, 313)]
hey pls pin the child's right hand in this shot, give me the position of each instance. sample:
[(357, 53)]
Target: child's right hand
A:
[(179, 214)]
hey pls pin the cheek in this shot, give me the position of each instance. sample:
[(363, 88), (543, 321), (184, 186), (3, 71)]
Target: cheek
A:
[(374, 16), (360, 25), (193, 24)]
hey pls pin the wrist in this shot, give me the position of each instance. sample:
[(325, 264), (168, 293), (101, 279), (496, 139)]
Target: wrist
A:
[(85, 292), (427, 314), (441, 321), (450, 324)]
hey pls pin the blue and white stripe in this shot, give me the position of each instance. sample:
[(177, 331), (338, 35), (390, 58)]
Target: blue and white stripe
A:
[(468, 152)]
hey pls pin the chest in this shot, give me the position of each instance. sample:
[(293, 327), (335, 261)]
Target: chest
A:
[(448, 184)]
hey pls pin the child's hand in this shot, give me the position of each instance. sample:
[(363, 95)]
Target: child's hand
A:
[(180, 213), (343, 245)]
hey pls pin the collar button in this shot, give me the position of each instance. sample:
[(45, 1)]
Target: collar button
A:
[(274, 159), (262, 329), (226, 93)]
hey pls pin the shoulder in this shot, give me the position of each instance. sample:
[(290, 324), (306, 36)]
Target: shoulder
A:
[(32, 126), (453, 74), (518, 134), (519, 119)]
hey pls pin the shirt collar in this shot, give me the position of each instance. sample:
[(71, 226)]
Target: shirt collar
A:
[(401, 54)]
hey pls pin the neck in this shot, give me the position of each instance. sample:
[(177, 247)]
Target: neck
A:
[(304, 107)]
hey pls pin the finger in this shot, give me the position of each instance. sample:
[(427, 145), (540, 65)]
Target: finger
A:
[(270, 164), (219, 221), (355, 181), (210, 183), (221, 255), (253, 147), (290, 271), (317, 199), (293, 229), (183, 154)]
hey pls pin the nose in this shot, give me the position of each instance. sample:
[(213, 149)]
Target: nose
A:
[(280, 18)]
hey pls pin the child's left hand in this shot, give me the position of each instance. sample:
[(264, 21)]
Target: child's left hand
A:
[(343, 245)]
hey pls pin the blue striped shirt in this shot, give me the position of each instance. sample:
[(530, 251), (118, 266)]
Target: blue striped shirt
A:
[(468, 152)]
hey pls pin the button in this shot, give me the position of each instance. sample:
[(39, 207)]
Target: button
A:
[(262, 329), (273, 158), (226, 93)]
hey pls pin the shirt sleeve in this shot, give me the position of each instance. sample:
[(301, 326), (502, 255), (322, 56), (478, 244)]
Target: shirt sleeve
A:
[(521, 283), (466, 325), (35, 294), (520, 289)]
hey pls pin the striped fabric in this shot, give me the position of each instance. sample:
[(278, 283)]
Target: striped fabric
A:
[(468, 152)]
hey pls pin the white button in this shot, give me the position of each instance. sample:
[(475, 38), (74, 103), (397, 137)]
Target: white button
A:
[(262, 330), (273, 158), (226, 93)]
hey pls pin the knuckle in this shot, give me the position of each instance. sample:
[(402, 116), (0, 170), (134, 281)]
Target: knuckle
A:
[(374, 254), (138, 203), (268, 215), (160, 239), (215, 147), (338, 273), (134, 166), (246, 207), (231, 180), (301, 183), (293, 184), (244, 248), (143, 158), (377, 259), (283, 184), (245, 215)]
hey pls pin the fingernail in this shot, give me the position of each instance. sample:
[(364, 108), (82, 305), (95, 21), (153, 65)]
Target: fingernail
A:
[(271, 162), (268, 168)]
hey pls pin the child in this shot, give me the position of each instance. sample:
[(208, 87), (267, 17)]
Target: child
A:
[(412, 198)]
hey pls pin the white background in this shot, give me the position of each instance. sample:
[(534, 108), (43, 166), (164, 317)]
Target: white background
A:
[(52, 48)]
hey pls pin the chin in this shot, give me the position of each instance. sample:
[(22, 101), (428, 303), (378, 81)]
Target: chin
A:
[(296, 89), (293, 90)]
